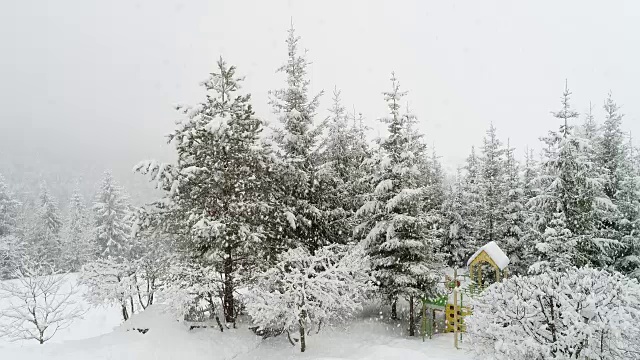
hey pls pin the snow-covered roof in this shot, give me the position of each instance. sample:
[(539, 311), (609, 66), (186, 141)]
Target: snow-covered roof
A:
[(494, 252)]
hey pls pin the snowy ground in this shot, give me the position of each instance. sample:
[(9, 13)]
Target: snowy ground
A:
[(101, 336)]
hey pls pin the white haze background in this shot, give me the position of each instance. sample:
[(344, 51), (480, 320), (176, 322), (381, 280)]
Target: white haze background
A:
[(89, 85)]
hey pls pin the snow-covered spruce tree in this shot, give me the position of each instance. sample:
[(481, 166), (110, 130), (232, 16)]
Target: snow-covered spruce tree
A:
[(10, 245), (217, 200), (567, 199), (360, 183), (614, 159), (343, 151), (48, 211), (11, 251), (9, 207), (111, 213), (535, 221), (395, 216), (491, 187), (305, 291), (611, 148), (433, 182), (530, 173), (461, 209), (627, 259), (627, 199), (473, 202), (78, 240), (515, 216), (578, 314), (109, 277), (302, 192), (43, 235), (455, 244), (589, 129)]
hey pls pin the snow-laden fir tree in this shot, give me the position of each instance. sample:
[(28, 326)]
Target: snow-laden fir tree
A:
[(339, 174), (515, 216), (43, 231), (491, 188), (589, 129), (568, 198), (78, 245), (48, 211), (217, 198), (343, 151), (627, 258), (530, 173), (461, 208), (611, 148), (10, 244), (457, 245), (627, 221), (472, 199), (9, 208), (433, 182), (614, 160), (535, 220), (301, 191), (398, 232), (112, 222)]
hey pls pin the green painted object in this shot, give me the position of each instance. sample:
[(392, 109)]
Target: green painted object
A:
[(439, 301)]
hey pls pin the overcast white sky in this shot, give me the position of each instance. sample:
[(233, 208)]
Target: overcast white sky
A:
[(90, 84)]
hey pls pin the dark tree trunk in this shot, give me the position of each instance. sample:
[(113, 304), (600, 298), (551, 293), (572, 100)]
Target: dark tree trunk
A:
[(153, 283), (303, 345), (125, 314), (412, 321), (394, 309), (219, 323), (213, 314), (228, 301)]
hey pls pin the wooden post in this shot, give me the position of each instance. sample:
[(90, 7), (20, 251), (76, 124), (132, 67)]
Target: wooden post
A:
[(455, 308), (497, 274), (433, 323), (424, 320)]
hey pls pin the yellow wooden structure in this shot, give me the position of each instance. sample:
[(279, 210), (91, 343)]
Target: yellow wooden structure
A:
[(489, 254), (456, 312), (452, 317)]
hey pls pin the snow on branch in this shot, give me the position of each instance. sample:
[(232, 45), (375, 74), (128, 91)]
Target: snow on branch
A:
[(37, 303), (578, 314), (304, 291)]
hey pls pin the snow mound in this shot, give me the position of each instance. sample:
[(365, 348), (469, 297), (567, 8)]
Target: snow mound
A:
[(156, 316)]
